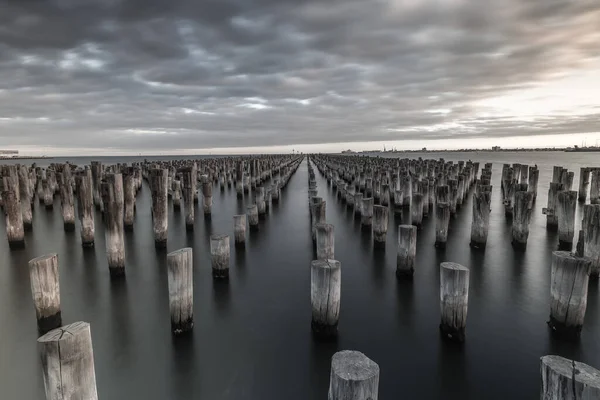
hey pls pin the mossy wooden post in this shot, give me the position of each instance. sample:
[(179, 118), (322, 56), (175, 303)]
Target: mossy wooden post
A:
[(366, 219), (564, 379), (565, 210), (380, 225), (325, 239), (239, 229), (220, 254), (568, 293), (550, 211), (85, 207), (160, 210), (591, 236), (521, 219), (481, 216), (25, 197), (325, 290), (353, 377), (180, 268), (207, 195), (113, 201), (454, 300), (584, 183), (68, 363), (407, 251), (45, 289), (96, 181), (189, 186), (15, 231), (129, 190)]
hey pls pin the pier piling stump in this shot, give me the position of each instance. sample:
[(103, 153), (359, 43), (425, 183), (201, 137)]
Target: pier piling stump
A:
[(112, 200), (325, 239), (565, 210), (160, 210), (45, 289), (454, 300), (481, 217), (591, 236), (407, 251), (380, 225), (521, 219), (253, 217), (220, 254), (325, 290), (85, 207), (239, 229), (366, 218), (15, 230), (180, 268), (353, 377), (564, 379)]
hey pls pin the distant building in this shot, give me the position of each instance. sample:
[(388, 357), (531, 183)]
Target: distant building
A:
[(348, 152), (424, 149), (496, 148)]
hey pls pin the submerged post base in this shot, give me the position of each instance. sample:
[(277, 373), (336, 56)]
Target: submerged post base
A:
[(323, 330), (562, 331), (457, 335)]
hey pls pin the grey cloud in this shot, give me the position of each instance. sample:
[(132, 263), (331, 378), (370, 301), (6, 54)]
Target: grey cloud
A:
[(157, 75)]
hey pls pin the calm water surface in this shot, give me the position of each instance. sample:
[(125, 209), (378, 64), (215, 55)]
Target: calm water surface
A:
[(252, 337)]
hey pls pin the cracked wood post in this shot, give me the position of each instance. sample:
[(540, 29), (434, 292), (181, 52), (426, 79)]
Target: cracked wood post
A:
[(15, 231), (358, 200), (416, 209), (261, 204), (591, 236), (68, 363), (584, 183), (189, 181), (67, 202), (25, 196), (564, 379), (454, 300), (568, 293), (442, 215), (253, 217), (180, 268), (96, 182), (481, 216), (239, 229), (398, 204), (380, 225), (207, 195), (521, 219), (160, 221), (565, 210), (129, 189), (112, 200), (85, 207), (45, 290), (48, 195), (366, 219), (325, 290), (353, 377), (407, 190), (550, 211), (595, 187), (325, 239), (220, 253), (407, 251)]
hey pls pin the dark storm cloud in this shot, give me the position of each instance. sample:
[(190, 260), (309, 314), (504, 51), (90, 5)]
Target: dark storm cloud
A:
[(157, 74)]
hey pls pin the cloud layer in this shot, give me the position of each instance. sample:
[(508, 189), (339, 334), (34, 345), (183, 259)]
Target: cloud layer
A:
[(154, 74)]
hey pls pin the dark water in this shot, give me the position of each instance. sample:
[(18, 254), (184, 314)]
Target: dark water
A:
[(252, 337)]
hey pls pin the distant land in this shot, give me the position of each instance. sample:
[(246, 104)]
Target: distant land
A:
[(494, 149)]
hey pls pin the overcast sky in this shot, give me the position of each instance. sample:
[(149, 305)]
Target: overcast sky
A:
[(156, 76)]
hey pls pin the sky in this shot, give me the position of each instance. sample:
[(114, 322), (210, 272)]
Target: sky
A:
[(240, 76)]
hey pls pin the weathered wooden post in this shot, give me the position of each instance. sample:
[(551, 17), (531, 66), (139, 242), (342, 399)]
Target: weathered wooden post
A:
[(595, 187), (564, 379), (325, 290), (207, 195), (353, 377), (521, 218), (15, 231), (253, 217), (180, 269), (407, 251), (85, 207), (565, 210), (66, 199), (160, 210), (398, 204), (416, 209), (68, 363), (366, 219), (358, 200), (260, 201), (48, 194), (454, 300), (568, 293), (481, 216), (534, 177), (584, 183), (239, 229), (129, 190), (442, 215), (325, 241), (220, 253), (45, 289), (96, 168), (112, 200), (591, 236), (25, 197), (189, 186), (380, 225), (550, 211)]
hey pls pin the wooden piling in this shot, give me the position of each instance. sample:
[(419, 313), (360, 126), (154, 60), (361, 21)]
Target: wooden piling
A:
[(45, 289), (68, 363), (160, 210), (481, 217), (407, 251), (180, 268), (239, 229), (366, 218), (67, 202), (325, 240), (416, 209), (113, 201), (325, 290), (220, 254), (129, 190), (565, 210), (521, 219), (595, 187), (358, 200), (454, 300), (380, 225), (96, 168), (189, 182), (15, 231), (568, 293), (85, 207), (591, 236), (253, 217), (584, 183), (564, 379), (353, 377), (25, 197), (260, 201), (207, 195)]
